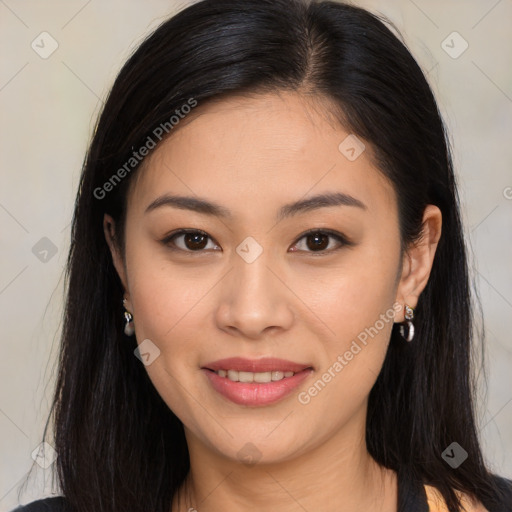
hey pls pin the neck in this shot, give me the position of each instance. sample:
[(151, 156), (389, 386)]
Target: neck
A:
[(338, 474)]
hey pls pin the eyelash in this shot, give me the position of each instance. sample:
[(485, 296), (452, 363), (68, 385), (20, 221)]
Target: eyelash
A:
[(333, 234)]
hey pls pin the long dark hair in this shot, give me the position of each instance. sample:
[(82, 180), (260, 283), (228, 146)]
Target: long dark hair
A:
[(119, 445)]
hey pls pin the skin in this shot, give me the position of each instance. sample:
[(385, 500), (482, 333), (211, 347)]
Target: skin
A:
[(252, 155)]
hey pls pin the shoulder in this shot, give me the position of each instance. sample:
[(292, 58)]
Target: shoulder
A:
[(436, 502), (52, 504)]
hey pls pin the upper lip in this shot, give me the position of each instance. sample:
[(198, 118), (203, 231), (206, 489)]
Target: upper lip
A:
[(266, 364)]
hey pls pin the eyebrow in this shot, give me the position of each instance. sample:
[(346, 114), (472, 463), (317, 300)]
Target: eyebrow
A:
[(201, 205)]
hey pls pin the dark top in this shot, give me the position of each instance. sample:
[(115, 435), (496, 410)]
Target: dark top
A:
[(411, 498), (54, 504)]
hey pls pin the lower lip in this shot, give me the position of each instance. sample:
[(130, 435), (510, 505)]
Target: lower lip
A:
[(256, 394)]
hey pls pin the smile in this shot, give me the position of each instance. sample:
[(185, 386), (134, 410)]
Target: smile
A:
[(255, 382)]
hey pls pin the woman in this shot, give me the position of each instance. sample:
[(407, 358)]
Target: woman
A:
[(268, 302)]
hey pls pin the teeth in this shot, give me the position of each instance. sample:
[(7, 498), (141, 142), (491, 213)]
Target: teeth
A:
[(260, 377), (263, 377), (245, 377), (277, 375), (233, 375)]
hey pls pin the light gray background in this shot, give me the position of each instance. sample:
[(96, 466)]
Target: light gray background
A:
[(48, 109)]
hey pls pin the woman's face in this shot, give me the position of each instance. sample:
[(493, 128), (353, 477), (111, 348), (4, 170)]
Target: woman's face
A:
[(252, 286)]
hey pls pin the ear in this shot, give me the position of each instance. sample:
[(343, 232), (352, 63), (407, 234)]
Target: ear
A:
[(418, 260), (109, 228)]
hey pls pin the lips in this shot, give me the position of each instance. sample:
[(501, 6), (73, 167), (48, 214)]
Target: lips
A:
[(267, 364), (255, 388)]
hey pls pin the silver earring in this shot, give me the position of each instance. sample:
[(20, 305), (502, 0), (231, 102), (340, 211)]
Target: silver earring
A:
[(409, 315), (128, 328)]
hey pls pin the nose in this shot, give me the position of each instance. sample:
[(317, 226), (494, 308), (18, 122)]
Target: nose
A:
[(255, 301)]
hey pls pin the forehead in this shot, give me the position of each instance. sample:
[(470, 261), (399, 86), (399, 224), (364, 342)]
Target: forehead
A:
[(276, 145)]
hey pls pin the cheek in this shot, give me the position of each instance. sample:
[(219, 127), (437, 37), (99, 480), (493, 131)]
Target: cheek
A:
[(353, 357), (350, 297), (353, 306), (167, 306), (168, 311)]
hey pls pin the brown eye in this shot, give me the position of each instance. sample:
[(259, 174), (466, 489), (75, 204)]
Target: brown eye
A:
[(194, 241), (188, 240), (319, 241)]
